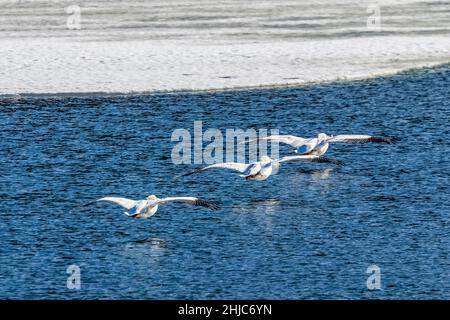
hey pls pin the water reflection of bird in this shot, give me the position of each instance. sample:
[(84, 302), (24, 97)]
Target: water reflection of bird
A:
[(143, 209), (154, 242)]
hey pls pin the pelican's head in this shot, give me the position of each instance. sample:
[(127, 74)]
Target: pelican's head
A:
[(152, 197), (265, 159), (323, 136)]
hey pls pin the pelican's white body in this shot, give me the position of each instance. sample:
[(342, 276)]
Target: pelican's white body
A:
[(144, 209), (260, 170), (314, 146)]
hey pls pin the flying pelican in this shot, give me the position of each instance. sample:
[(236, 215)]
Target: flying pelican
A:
[(261, 170), (143, 209), (319, 145)]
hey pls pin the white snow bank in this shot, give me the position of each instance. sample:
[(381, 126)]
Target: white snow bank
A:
[(60, 66)]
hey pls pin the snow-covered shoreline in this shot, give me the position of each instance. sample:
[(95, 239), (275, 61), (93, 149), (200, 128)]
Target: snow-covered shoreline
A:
[(58, 66)]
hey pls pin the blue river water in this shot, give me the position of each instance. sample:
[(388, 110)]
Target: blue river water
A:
[(309, 232)]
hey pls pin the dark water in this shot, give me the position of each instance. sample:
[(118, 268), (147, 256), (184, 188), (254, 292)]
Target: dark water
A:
[(309, 232)]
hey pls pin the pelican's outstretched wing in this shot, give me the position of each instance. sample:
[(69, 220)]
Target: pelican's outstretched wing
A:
[(287, 139), (126, 203), (191, 200), (360, 138), (235, 166), (310, 158)]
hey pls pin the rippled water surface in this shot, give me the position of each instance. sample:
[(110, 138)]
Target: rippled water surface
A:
[(309, 232)]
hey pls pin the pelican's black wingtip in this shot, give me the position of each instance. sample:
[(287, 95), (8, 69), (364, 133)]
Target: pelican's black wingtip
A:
[(188, 173), (384, 139), (213, 205), (85, 204), (337, 162)]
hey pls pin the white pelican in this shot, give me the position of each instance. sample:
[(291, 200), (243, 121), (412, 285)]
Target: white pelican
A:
[(319, 145), (143, 209), (261, 170)]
